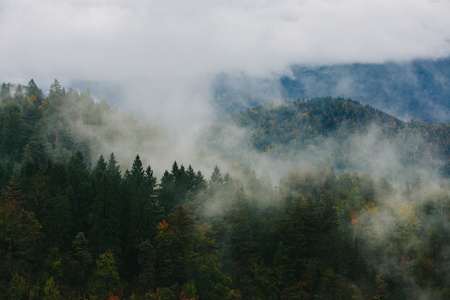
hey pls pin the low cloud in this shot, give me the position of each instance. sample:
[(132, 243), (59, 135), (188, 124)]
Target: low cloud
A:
[(164, 55)]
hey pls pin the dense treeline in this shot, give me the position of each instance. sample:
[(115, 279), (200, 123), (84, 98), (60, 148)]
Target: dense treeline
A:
[(69, 231), (63, 122)]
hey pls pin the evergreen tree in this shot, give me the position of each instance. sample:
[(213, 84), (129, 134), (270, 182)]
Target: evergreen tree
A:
[(182, 226), (167, 192), (150, 180), (19, 92), (34, 93), (20, 230), (56, 92), (80, 192), (5, 93), (105, 224), (13, 131), (216, 181), (106, 281), (242, 248), (147, 261), (82, 263), (114, 170), (57, 221)]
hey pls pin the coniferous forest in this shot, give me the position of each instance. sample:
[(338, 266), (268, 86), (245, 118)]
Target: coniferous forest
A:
[(79, 224)]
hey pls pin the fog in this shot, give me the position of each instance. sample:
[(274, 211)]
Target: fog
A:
[(180, 66), (160, 59)]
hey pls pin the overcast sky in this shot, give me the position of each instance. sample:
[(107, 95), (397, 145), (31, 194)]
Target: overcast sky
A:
[(162, 53)]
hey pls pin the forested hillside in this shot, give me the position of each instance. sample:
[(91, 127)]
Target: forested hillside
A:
[(353, 136), (61, 123), (76, 223), (70, 231)]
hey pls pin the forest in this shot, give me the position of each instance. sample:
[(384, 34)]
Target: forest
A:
[(355, 137), (79, 224)]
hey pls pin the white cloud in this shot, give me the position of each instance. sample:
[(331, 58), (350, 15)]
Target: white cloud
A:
[(163, 52)]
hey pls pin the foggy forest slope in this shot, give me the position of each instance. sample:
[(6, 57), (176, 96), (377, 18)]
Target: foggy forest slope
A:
[(322, 197), (355, 137)]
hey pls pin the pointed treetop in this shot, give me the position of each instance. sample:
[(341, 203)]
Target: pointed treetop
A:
[(5, 93), (112, 165), (33, 92), (56, 91), (19, 91), (101, 164), (137, 166), (216, 176)]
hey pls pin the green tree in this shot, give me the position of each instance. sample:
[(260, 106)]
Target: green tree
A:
[(56, 92), (147, 261), (114, 170), (82, 263), (242, 247), (105, 216), (5, 93), (106, 280), (34, 93), (182, 224), (20, 230), (57, 221), (216, 181), (142, 222), (51, 290), (80, 192), (13, 131)]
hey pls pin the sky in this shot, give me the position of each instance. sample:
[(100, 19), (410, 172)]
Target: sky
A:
[(157, 58)]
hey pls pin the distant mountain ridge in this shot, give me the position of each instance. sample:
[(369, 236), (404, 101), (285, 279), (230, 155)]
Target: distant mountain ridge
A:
[(417, 89)]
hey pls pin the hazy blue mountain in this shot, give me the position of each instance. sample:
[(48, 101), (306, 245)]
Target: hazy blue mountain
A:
[(418, 89)]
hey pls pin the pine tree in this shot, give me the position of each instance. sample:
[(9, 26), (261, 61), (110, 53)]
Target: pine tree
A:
[(20, 229), (105, 222), (147, 261), (242, 247), (34, 93), (56, 92), (5, 93), (114, 170), (80, 192), (83, 261), (167, 192)]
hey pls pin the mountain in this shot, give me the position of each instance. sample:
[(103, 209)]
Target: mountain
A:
[(417, 89), (75, 228), (355, 137)]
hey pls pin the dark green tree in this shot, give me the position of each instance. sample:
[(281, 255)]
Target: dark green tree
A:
[(5, 93), (114, 170), (34, 93), (105, 218), (80, 192), (56, 92)]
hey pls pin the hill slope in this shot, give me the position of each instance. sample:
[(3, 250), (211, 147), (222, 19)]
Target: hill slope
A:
[(56, 126), (353, 136)]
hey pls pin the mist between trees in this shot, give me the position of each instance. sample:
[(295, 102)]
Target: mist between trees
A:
[(76, 224)]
